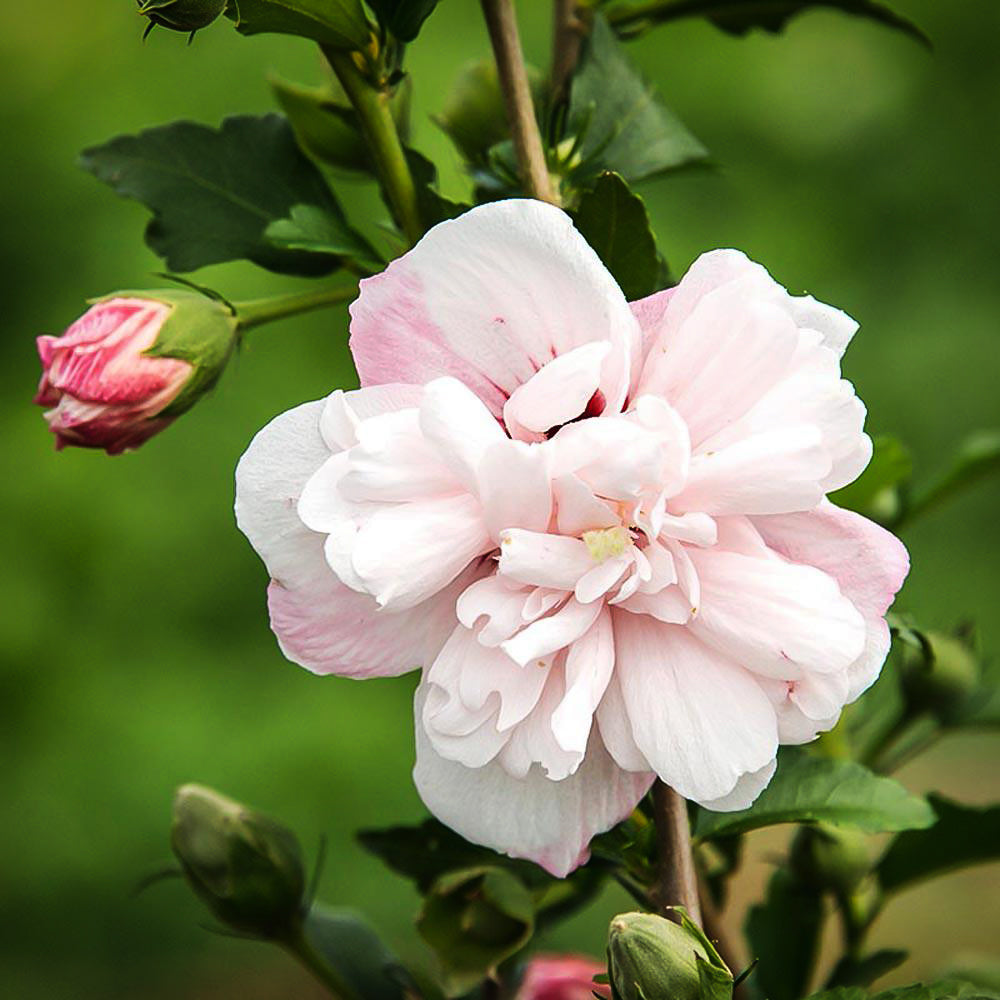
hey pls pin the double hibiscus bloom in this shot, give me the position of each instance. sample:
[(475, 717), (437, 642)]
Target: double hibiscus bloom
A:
[(599, 528)]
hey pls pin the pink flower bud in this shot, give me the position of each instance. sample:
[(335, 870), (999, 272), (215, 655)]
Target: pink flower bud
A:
[(116, 377), (561, 977)]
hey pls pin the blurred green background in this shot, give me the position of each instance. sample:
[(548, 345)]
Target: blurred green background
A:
[(134, 641)]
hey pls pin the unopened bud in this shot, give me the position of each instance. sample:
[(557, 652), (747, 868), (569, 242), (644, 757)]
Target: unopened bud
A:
[(245, 867), (130, 364), (830, 858), (939, 674), (181, 15), (652, 958)]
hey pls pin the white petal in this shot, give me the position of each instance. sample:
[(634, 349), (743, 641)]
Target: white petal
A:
[(489, 298), (514, 487), (699, 719), (499, 601), (578, 510), (548, 635), (408, 552), (343, 411), (746, 791), (557, 393), (546, 821), (616, 729), (543, 560)]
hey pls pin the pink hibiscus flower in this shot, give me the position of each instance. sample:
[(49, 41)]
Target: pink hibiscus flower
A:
[(600, 529)]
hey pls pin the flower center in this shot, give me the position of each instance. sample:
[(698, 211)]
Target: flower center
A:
[(605, 543)]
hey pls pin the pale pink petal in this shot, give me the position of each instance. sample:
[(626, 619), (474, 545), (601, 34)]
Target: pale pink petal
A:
[(319, 622), (549, 822), (406, 553), (868, 562), (497, 603), (548, 635), (514, 487), (616, 729), (456, 423), (343, 411), (768, 473), (588, 668), (700, 720), (489, 298), (748, 787), (598, 581), (543, 560), (773, 617), (834, 325), (578, 510), (558, 392)]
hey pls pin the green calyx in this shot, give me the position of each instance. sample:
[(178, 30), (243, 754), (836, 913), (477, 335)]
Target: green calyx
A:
[(830, 858), (652, 958), (181, 15), (200, 330), (244, 866), (939, 673)]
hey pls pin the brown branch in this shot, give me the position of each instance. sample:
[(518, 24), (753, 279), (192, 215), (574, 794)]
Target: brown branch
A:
[(677, 883), (502, 25), (568, 31)]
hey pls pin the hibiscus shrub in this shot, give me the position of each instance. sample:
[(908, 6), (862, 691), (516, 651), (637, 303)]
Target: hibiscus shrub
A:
[(631, 529)]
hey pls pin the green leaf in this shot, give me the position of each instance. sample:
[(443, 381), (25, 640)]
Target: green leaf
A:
[(783, 933), (875, 493), (809, 789), (214, 192), (614, 222), (616, 119), (319, 231), (963, 835), (864, 970), (433, 207), (474, 919), (349, 944), (403, 18), (339, 23), (977, 458), (714, 983), (942, 989), (737, 17)]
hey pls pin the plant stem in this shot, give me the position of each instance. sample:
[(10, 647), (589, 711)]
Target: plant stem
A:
[(300, 947), (502, 25), (678, 882), (715, 929), (256, 312), (371, 102), (567, 36)]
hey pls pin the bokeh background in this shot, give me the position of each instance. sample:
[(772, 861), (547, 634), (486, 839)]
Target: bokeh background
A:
[(134, 642)]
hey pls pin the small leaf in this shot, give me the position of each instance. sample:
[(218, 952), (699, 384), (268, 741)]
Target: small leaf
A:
[(809, 789), (433, 207), (338, 23), (875, 493), (474, 919), (963, 835), (614, 222), (317, 230), (214, 192), (737, 17), (976, 459), (863, 971), (346, 941), (617, 120), (403, 18), (783, 933)]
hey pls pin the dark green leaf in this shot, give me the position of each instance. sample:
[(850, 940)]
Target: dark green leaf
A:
[(346, 941), (403, 18), (338, 23), (614, 222), (976, 459), (875, 493), (319, 231), (963, 835), (863, 971), (433, 207), (474, 919), (739, 16), (943, 989), (616, 119), (809, 789), (213, 193), (984, 705), (783, 933)]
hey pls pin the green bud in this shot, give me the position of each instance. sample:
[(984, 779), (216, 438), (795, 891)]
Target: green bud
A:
[(474, 919), (652, 958), (830, 858), (245, 867), (181, 15), (938, 674)]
